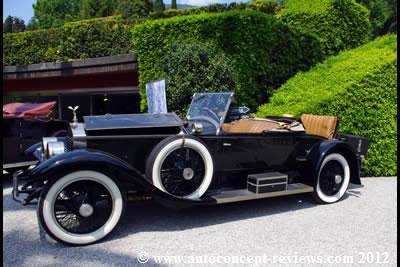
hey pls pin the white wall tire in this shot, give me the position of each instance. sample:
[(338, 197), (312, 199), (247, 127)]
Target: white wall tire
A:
[(47, 201), (164, 149), (340, 181)]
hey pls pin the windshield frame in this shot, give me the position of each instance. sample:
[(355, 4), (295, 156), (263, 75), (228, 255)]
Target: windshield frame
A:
[(225, 111)]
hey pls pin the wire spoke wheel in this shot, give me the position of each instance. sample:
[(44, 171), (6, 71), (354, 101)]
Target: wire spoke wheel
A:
[(70, 205), (81, 207), (182, 171), (181, 166), (333, 178)]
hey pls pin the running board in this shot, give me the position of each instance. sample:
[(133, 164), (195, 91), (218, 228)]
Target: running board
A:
[(244, 194)]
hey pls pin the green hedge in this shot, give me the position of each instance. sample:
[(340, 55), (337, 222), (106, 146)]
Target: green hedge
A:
[(191, 68), (358, 86), (264, 52), (75, 40), (96, 37), (338, 24)]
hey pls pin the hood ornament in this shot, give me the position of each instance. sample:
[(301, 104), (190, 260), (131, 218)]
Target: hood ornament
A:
[(74, 123)]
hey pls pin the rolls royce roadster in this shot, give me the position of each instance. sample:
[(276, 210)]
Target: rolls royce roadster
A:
[(81, 184)]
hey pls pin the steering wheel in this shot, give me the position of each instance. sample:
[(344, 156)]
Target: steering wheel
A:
[(207, 119), (213, 114)]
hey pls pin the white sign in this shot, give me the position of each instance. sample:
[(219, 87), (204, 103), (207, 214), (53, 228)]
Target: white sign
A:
[(156, 97)]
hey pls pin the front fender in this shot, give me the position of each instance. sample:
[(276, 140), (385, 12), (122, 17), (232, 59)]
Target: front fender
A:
[(100, 161), (320, 150), (83, 159)]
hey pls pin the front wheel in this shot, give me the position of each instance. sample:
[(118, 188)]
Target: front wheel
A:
[(81, 207), (333, 179)]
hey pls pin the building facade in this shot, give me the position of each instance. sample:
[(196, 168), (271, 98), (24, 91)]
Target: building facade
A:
[(97, 85)]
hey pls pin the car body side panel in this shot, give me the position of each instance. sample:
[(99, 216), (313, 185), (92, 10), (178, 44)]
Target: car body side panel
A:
[(133, 150), (237, 155)]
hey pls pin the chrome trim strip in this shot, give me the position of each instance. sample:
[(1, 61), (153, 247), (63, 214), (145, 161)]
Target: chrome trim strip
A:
[(19, 164), (261, 185)]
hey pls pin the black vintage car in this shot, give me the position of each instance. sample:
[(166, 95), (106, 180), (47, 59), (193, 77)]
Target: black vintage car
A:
[(83, 183)]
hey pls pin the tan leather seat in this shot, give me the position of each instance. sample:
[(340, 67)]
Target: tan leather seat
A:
[(324, 126), (250, 126)]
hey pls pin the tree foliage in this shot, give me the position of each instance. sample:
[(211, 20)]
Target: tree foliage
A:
[(96, 8), (134, 8), (13, 24), (158, 6), (383, 15), (53, 13), (173, 4)]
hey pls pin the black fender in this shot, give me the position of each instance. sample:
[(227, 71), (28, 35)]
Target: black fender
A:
[(320, 150), (124, 173)]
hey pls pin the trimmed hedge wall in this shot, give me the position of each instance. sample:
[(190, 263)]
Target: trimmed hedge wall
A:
[(263, 51), (75, 40), (191, 68), (338, 24), (358, 86), (97, 37)]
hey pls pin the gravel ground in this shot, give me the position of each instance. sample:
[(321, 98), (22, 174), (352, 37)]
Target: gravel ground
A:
[(287, 230)]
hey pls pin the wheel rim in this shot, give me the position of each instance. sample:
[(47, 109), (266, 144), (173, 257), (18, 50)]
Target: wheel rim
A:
[(79, 210), (67, 233), (179, 144), (182, 171), (331, 177)]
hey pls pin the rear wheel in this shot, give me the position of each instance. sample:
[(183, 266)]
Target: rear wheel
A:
[(333, 179), (81, 207)]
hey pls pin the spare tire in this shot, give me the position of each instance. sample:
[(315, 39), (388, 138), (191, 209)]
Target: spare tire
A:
[(181, 166)]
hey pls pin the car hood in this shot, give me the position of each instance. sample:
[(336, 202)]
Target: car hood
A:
[(123, 124)]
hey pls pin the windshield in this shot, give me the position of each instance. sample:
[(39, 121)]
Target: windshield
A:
[(211, 105)]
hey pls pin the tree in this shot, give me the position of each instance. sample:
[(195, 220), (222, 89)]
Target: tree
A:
[(134, 8), (173, 4), (383, 15), (53, 13), (8, 24), (33, 24), (158, 6), (14, 24), (97, 8)]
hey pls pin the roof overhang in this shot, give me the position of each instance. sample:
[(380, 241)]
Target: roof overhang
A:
[(112, 73)]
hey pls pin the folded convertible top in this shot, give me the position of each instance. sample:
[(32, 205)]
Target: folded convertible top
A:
[(28, 110)]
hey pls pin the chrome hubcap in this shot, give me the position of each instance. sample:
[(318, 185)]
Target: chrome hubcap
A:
[(188, 173), (338, 179), (86, 210)]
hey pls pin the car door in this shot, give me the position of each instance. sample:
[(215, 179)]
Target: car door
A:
[(276, 150), (238, 153)]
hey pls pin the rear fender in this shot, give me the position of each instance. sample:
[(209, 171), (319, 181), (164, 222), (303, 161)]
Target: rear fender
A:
[(319, 151)]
